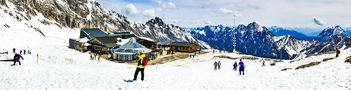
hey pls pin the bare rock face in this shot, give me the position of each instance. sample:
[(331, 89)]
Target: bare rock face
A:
[(89, 13)]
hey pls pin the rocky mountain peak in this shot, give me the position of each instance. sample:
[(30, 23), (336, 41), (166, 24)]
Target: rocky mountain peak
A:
[(329, 32), (158, 21)]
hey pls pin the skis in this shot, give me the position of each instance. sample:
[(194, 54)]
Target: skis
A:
[(129, 80)]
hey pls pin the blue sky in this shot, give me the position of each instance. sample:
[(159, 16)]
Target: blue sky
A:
[(193, 13)]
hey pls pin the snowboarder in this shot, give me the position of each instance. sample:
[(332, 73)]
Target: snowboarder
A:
[(215, 65), (17, 58), (219, 65), (140, 66), (263, 63), (241, 67), (235, 66), (337, 52)]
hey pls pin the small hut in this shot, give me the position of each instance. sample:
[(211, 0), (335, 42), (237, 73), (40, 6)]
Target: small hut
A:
[(79, 44), (127, 51), (184, 47)]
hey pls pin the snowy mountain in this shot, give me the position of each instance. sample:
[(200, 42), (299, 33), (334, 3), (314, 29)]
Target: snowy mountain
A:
[(89, 13), (329, 39), (218, 37), (292, 45), (252, 39), (280, 31)]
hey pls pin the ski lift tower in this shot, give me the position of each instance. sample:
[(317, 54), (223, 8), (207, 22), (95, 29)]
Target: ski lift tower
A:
[(234, 38)]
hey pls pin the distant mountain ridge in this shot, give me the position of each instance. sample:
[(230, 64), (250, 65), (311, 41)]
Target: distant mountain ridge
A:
[(257, 40), (280, 31)]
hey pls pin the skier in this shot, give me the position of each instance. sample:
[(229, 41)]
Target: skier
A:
[(215, 65), (21, 52), (337, 52), (17, 58), (213, 51), (235, 66), (241, 67), (263, 63), (219, 65), (24, 52), (140, 66)]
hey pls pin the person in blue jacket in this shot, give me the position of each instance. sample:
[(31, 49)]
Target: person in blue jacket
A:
[(241, 67)]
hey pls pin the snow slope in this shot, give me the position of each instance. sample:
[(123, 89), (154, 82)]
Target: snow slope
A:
[(61, 68)]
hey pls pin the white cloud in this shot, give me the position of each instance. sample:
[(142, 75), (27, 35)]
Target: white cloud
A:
[(288, 13), (168, 5), (174, 21), (149, 13), (225, 11), (207, 22), (131, 10), (318, 21)]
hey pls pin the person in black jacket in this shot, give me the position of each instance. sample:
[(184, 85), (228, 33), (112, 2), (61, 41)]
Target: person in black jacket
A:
[(17, 58), (235, 66)]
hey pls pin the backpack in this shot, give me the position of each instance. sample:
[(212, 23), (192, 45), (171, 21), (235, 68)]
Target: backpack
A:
[(145, 61)]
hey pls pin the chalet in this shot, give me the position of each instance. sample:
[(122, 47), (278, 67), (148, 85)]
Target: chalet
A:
[(91, 33), (184, 47), (79, 44), (147, 42), (104, 44)]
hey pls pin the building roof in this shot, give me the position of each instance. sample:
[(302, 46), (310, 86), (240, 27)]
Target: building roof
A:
[(121, 34), (132, 47), (92, 32), (182, 44), (108, 41), (146, 38)]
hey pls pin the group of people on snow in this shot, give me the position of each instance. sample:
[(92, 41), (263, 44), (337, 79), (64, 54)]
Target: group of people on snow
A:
[(18, 56), (241, 65), (95, 56), (217, 65)]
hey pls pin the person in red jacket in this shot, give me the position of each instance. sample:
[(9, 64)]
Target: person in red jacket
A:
[(17, 58)]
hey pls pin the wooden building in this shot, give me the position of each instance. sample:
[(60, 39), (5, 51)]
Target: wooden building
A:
[(103, 44), (147, 42), (184, 47), (78, 45)]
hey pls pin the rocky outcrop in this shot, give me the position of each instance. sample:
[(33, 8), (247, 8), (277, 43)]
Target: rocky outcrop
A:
[(89, 13)]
